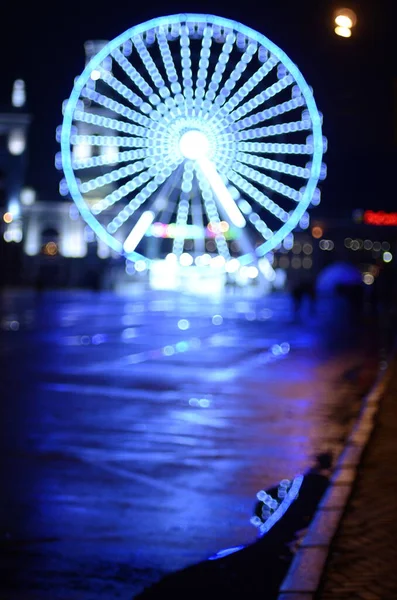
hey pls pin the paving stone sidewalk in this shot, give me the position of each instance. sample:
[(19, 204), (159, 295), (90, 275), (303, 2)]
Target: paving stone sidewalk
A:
[(363, 561)]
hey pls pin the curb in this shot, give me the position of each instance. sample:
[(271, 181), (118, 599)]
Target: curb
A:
[(304, 574)]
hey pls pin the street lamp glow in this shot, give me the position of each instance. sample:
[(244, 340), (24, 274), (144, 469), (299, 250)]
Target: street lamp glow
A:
[(344, 21), (343, 32)]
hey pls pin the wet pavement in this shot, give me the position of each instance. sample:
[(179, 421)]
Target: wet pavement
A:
[(136, 431)]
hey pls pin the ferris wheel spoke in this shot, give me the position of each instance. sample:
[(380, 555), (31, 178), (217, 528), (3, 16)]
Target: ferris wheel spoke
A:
[(220, 67), (108, 140), (132, 73), (234, 77), (107, 123), (186, 61), (260, 98), (104, 160), (221, 192), (269, 113), (273, 165), (149, 63), (141, 197), (159, 173), (122, 89), (269, 182), (117, 107), (183, 208), (138, 231), (112, 176), (203, 64), (197, 218), (246, 186), (166, 55), (275, 148), (272, 130), (244, 90), (212, 214)]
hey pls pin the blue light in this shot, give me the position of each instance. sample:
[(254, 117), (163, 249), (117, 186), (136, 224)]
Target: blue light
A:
[(153, 134)]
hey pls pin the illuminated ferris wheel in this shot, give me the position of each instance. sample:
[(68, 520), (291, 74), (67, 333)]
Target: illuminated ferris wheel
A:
[(191, 128)]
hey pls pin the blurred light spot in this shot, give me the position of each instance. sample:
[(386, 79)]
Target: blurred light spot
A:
[(296, 262), (129, 333), (385, 246), (345, 17), (276, 350), (218, 262), (307, 249), (307, 263), (182, 346), (343, 31), (18, 97), (317, 232), (28, 196), (195, 343), (348, 242), (283, 263), (193, 402), (217, 320), (252, 272), (168, 350), (95, 75), (85, 340), (186, 259), (285, 347), (368, 279), (265, 314), (50, 249), (183, 324), (204, 402), (140, 266), (7, 217), (14, 325), (377, 246), (98, 338), (250, 316), (344, 21), (136, 358), (387, 257), (232, 265), (16, 142)]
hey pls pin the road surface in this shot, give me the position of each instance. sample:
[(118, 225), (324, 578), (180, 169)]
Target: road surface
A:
[(137, 430)]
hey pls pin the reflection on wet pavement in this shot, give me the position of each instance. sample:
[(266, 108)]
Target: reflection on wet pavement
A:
[(136, 432)]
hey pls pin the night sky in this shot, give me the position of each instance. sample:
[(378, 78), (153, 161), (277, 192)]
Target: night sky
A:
[(354, 80)]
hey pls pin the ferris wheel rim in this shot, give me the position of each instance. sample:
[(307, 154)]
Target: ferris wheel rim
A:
[(299, 210)]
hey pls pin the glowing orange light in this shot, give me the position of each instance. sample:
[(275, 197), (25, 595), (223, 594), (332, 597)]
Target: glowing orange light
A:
[(51, 249), (317, 232), (345, 32), (345, 17), (7, 217), (224, 226)]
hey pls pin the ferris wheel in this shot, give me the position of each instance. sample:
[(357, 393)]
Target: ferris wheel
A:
[(191, 128)]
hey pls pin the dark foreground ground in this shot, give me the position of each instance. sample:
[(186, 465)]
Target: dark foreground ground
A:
[(135, 432)]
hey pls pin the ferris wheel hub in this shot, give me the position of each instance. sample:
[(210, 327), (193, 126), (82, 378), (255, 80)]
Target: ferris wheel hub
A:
[(194, 144)]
